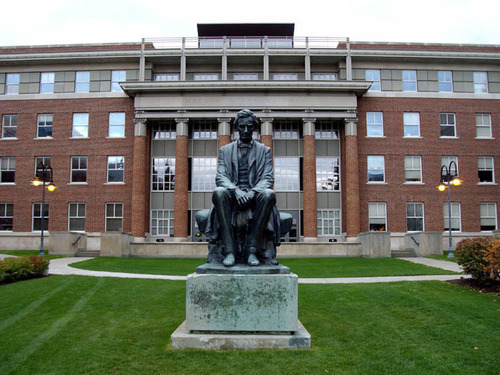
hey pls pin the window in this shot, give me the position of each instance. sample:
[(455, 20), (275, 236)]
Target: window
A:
[(488, 214), (445, 81), (455, 217), (483, 125), (117, 124), (245, 76), (37, 217), (116, 169), (117, 76), (164, 130), (485, 169), (44, 126), (413, 169), (45, 160), (285, 76), (327, 174), (114, 217), (9, 126), (286, 174), (286, 130), (80, 125), (447, 121), (7, 170), (206, 76), (376, 169), (82, 82), (12, 84), (377, 217), (480, 82), (373, 75), (411, 122), (409, 80), (329, 223), (414, 216), (6, 216), (374, 124), (163, 174), (324, 76), (326, 130), (78, 169), (47, 83), (167, 77), (203, 174), (76, 217), (162, 223), (204, 129)]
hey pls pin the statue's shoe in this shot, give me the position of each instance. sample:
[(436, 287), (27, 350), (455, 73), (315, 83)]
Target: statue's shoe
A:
[(252, 260), (229, 260)]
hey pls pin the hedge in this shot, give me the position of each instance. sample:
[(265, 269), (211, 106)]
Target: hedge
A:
[(480, 258), (21, 268)]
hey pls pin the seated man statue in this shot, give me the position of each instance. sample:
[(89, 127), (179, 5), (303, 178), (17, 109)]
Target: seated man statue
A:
[(243, 197)]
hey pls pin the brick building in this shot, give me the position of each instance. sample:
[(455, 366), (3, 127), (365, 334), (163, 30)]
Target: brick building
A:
[(359, 132)]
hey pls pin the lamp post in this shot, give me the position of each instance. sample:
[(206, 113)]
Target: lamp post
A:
[(46, 174), (449, 177)]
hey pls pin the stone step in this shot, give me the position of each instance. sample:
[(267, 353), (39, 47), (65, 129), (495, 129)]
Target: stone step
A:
[(408, 253), (88, 253)]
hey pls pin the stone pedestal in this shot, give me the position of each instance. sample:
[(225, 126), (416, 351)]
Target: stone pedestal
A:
[(116, 244), (375, 244), (67, 243), (241, 307), (425, 243)]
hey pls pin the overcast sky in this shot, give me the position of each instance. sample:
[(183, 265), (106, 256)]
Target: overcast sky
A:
[(35, 22)]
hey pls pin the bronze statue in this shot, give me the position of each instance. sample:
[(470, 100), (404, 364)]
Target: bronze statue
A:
[(244, 225)]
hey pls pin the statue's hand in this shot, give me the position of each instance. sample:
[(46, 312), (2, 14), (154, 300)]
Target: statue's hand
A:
[(243, 198)]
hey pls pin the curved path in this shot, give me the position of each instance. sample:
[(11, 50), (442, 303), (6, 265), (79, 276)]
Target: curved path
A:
[(61, 267)]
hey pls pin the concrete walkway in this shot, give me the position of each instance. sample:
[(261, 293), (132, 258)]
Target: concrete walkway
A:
[(61, 267)]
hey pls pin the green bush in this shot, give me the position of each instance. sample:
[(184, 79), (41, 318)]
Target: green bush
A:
[(471, 255), (492, 257), (22, 268)]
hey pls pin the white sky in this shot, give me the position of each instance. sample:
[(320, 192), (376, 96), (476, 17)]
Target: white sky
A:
[(35, 22)]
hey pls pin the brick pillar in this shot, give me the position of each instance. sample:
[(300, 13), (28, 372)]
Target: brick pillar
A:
[(224, 131), (352, 178), (181, 180), (139, 180), (266, 132), (309, 180)]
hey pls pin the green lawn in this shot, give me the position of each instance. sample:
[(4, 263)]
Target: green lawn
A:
[(29, 252), (303, 267), (86, 325)]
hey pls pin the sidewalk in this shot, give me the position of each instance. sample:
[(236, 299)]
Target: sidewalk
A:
[(61, 267)]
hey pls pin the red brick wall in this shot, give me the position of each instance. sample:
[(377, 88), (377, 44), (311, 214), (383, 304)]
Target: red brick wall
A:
[(310, 195), (139, 192), (61, 148), (430, 147)]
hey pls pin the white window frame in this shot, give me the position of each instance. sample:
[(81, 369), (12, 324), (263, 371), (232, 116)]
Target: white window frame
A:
[(482, 165), (409, 80), (414, 204), (448, 120), (116, 127), (79, 159), (324, 76), (445, 78), (79, 216), (285, 76), (162, 181), (116, 163), (204, 129), (114, 215), (7, 123), (329, 220), (326, 130), (455, 216), (46, 161), (5, 215), (206, 77), (47, 83), (117, 76), (82, 82), (203, 173), (411, 120), (377, 211), (166, 77), (373, 75), (164, 131), (12, 82), (491, 214), (483, 121), (327, 173), (245, 76), (80, 125), (167, 217), (447, 159), (7, 164), (286, 130), (480, 82), (46, 217), (41, 123), (373, 163), (412, 166), (287, 179), (374, 122)]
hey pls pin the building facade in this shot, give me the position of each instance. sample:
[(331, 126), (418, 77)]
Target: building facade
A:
[(359, 132)]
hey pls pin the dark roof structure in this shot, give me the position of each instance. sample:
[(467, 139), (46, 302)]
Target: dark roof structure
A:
[(245, 29)]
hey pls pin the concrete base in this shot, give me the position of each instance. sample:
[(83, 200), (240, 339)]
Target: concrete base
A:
[(182, 338)]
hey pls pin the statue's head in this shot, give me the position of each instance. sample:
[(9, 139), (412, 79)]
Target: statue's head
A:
[(246, 122)]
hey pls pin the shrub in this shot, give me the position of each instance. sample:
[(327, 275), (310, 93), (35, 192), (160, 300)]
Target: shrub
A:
[(21, 268), (470, 255), (492, 258)]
